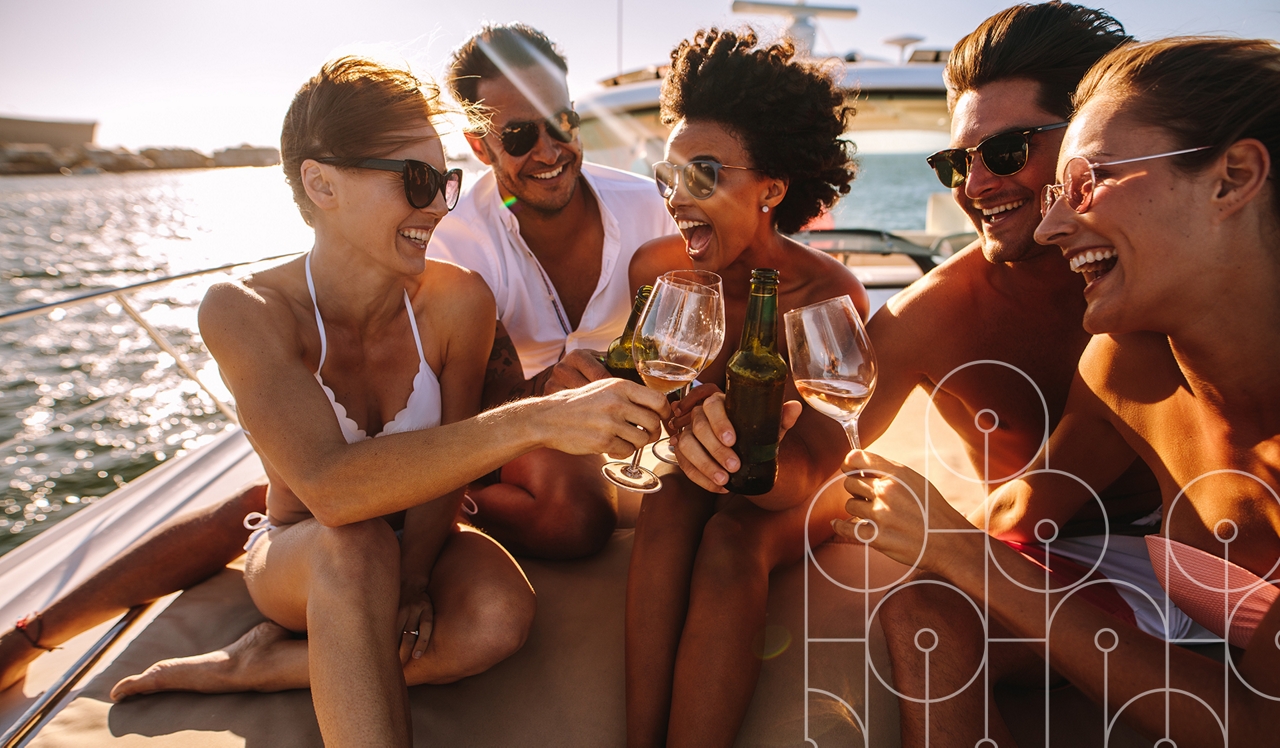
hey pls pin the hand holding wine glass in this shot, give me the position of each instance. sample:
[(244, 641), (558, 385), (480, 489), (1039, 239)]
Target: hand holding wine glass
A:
[(832, 362), (674, 340)]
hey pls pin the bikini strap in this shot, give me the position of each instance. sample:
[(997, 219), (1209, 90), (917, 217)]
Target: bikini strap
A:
[(324, 344), (413, 325)]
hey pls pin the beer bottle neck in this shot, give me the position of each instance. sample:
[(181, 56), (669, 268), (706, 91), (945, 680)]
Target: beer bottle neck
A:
[(761, 327)]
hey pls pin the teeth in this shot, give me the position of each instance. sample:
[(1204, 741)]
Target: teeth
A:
[(1088, 258), (1002, 208), (549, 174), (417, 235), (686, 225)]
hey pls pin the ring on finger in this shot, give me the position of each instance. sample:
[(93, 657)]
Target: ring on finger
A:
[(410, 633)]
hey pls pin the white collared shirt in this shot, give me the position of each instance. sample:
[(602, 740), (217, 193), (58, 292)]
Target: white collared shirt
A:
[(481, 234)]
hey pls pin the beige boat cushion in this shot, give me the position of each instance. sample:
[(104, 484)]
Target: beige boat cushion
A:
[(564, 688)]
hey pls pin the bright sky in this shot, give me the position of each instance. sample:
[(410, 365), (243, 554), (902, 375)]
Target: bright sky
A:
[(205, 75)]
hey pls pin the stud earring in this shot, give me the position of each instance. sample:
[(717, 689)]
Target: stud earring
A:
[(764, 209)]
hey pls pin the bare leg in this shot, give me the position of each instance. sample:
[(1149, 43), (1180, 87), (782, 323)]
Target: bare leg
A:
[(483, 607), (549, 505), (668, 531), (178, 554), (716, 668), (956, 646)]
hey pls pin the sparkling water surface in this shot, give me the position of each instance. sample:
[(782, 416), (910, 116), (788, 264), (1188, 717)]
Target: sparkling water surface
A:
[(88, 401)]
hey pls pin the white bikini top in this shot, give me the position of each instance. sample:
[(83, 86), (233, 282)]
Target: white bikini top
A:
[(422, 411)]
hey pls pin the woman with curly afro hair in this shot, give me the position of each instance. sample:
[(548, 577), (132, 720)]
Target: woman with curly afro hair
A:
[(755, 153)]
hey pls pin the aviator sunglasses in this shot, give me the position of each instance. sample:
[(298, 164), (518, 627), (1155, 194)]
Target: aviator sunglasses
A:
[(1079, 180), (422, 182), (1004, 155), (518, 138), (699, 177)]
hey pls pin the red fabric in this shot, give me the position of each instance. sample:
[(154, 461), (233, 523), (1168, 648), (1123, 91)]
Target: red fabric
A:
[(1064, 572)]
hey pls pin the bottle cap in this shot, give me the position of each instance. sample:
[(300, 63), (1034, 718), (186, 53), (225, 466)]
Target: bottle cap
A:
[(764, 275)]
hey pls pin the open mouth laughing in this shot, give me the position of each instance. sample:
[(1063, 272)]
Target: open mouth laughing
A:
[(697, 235), (1094, 263), (995, 213), (551, 174), (417, 236)]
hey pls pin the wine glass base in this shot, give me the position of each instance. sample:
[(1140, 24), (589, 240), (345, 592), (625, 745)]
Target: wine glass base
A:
[(665, 451), (638, 479)]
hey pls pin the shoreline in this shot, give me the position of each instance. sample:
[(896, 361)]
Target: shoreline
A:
[(24, 159)]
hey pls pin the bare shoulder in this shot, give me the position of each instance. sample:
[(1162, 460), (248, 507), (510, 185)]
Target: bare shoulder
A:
[(456, 291), (245, 314), (655, 257), (1136, 366), (824, 277), (455, 297), (946, 288)]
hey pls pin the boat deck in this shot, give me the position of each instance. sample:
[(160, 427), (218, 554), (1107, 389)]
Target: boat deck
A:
[(564, 688)]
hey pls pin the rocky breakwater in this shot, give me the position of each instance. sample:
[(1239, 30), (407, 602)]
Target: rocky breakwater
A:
[(41, 158)]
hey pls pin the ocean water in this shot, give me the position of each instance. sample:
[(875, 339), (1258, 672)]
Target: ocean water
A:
[(88, 401)]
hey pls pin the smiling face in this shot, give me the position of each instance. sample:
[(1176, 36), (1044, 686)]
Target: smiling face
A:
[(1144, 240), (373, 214), (546, 177), (1004, 210), (717, 230)]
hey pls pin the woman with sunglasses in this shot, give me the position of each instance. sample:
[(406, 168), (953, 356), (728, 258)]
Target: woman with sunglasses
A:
[(755, 154), (364, 337), (1169, 207)]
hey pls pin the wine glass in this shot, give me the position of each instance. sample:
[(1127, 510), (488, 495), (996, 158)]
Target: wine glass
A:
[(663, 449), (674, 340), (832, 362)]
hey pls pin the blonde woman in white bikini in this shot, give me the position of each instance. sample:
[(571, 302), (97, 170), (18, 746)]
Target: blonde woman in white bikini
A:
[(364, 337)]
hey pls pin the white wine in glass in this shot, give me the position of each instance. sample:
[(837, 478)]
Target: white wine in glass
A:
[(832, 361), (663, 449), (674, 340)]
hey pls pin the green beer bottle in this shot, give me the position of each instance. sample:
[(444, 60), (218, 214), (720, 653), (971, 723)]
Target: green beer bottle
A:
[(618, 359), (754, 383)]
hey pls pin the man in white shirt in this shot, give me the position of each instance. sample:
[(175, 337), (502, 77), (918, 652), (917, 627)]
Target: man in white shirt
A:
[(553, 238)]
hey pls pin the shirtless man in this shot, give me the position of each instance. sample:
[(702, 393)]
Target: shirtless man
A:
[(546, 503)]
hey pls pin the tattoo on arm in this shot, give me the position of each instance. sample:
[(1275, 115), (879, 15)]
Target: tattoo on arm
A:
[(504, 376)]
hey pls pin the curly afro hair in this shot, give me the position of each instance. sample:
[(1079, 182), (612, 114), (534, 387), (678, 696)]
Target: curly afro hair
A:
[(788, 114)]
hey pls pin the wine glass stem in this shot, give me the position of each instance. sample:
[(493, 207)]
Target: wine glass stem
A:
[(633, 469), (851, 430)]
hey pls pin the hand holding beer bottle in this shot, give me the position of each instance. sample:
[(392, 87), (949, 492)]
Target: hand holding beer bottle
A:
[(736, 434)]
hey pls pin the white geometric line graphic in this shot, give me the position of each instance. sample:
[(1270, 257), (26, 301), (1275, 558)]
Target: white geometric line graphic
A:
[(1105, 640)]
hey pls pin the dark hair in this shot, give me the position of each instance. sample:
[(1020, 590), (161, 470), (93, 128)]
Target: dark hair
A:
[(353, 107), (515, 45), (788, 114), (1203, 90), (1053, 44)]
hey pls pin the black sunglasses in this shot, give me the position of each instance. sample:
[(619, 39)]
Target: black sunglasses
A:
[(518, 138), (699, 177), (1003, 154), (422, 182)]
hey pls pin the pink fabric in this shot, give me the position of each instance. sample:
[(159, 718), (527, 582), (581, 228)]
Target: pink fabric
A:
[(1211, 589)]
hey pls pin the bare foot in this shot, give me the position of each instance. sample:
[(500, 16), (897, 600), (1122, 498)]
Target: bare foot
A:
[(16, 653), (242, 666)]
